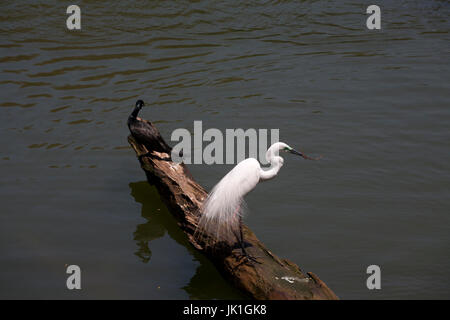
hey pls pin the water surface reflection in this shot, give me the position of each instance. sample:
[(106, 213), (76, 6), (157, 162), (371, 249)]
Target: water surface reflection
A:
[(206, 283)]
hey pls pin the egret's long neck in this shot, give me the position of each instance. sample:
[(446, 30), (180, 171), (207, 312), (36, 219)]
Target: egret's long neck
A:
[(272, 172), (276, 162)]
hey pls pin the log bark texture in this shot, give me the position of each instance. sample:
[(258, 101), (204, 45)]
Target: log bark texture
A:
[(269, 278)]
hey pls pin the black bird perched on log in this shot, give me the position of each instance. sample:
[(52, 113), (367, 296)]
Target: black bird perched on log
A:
[(145, 133)]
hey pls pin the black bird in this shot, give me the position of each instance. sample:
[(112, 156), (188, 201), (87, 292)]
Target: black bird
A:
[(145, 133)]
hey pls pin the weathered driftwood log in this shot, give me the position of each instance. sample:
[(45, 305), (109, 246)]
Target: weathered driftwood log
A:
[(269, 278)]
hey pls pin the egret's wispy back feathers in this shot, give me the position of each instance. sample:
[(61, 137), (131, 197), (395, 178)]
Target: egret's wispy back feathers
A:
[(225, 203)]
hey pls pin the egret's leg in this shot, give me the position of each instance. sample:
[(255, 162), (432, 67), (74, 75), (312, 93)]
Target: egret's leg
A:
[(240, 237), (242, 243), (241, 233)]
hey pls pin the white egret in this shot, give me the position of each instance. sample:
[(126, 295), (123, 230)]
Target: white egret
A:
[(222, 211)]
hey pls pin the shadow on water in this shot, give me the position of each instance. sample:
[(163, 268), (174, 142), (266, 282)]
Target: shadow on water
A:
[(207, 283)]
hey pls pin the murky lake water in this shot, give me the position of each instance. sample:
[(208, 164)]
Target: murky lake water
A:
[(375, 103)]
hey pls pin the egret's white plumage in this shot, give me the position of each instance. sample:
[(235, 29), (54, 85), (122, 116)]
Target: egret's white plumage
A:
[(224, 206)]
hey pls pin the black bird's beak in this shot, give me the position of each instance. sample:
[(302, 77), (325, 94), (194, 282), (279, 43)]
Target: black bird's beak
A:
[(293, 151)]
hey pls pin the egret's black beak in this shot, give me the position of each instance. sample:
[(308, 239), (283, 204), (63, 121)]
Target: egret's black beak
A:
[(302, 155), (293, 151)]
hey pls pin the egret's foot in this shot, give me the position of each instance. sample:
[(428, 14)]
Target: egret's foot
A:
[(248, 257), (252, 259)]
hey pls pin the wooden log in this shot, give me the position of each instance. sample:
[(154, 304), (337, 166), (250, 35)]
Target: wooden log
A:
[(269, 278)]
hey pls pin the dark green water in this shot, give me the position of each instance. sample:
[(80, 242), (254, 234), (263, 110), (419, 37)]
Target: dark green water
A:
[(375, 103)]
